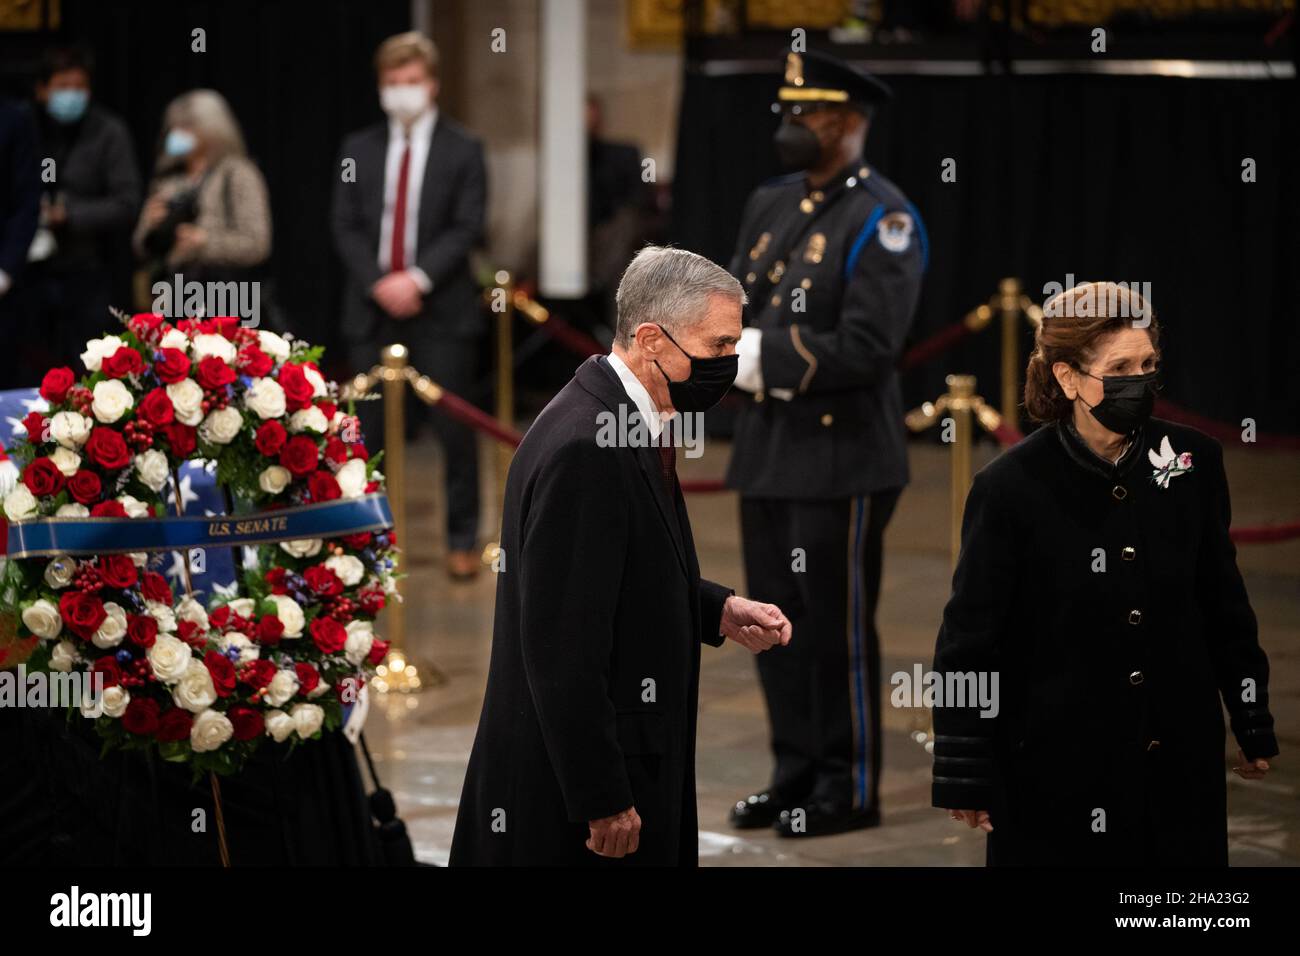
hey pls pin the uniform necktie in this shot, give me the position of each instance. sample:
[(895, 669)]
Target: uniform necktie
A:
[(399, 211)]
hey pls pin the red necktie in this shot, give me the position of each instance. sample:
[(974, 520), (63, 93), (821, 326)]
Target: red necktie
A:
[(668, 464), (399, 212)]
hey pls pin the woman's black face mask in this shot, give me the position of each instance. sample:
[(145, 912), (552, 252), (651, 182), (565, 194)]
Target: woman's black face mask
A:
[(1127, 400), (709, 380)]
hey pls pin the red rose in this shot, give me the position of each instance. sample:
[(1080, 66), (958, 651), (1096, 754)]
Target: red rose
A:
[(308, 677), (254, 362), (145, 324), (85, 486), (172, 365), (125, 361), (224, 325), (106, 448), (328, 634), (118, 571), (82, 612), (188, 631), (220, 617), (327, 409), (181, 438), (275, 580), (142, 629), (269, 629), (106, 665), (55, 384), (257, 674), (378, 650), (35, 424), (335, 450), (322, 486), (297, 390), (247, 722), (359, 451), (299, 455), (154, 588), (323, 580), (42, 477), (156, 408), (108, 509), (174, 725), (141, 716), (222, 671), (358, 541), (270, 438), (214, 373), (372, 601)]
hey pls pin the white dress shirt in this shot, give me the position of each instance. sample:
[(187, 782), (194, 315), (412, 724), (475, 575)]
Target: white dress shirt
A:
[(637, 392), (421, 136)]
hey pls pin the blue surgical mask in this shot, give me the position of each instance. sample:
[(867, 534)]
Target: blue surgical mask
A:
[(67, 106), (179, 142)]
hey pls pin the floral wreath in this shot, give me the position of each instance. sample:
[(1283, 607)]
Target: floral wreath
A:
[(204, 685)]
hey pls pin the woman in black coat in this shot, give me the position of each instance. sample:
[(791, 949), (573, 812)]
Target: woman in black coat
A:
[(1098, 584)]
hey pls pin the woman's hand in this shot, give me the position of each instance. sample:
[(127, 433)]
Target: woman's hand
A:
[(973, 819), (155, 210), (189, 240), (1250, 769)]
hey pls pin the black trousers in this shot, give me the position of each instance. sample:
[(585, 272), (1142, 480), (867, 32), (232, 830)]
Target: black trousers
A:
[(820, 561), (453, 363)]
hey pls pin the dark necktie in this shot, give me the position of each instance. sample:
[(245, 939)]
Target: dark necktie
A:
[(668, 466), (399, 211)]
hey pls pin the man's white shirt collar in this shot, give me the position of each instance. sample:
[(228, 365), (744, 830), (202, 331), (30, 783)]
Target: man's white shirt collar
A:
[(421, 129), (637, 392)]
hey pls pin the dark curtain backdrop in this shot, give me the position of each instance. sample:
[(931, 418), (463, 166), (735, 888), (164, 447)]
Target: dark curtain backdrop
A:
[(298, 75), (1123, 178)]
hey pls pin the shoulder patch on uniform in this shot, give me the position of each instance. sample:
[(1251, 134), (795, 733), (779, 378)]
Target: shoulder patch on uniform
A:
[(895, 231)]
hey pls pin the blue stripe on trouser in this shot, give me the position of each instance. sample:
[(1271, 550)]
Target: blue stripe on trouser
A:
[(857, 668)]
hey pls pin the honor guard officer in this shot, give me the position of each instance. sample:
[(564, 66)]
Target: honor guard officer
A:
[(831, 258)]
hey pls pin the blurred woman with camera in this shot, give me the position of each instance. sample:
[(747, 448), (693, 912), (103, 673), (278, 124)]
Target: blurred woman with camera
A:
[(207, 216), (1097, 593)]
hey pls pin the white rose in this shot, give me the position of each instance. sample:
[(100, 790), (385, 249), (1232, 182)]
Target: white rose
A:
[(139, 558), (111, 400), (221, 426), (113, 629), (99, 349), (273, 345), (115, 700), (135, 508), (274, 479), (174, 339), (307, 719), (352, 478), (218, 345), (316, 379), (244, 607), (308, 419), (72, 510), (163, 614), (70, 429), (282, 687), (191, 610), (279, 725), (66, 460), (42, 619), (187, 400), (20, 504), (60, 571), (194, 691), (63, 656), (302, 547), (211, 729), (289, 613), (169, 658), (349, 569), (320, 688), (151, 468), (357, 646), (265, 398), (248, 651)]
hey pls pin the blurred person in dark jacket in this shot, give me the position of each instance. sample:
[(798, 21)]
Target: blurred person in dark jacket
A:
[(19, 210)]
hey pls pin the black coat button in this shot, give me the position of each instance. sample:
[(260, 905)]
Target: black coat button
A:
[(1120, 492), (1136, 678), (1135, 616)]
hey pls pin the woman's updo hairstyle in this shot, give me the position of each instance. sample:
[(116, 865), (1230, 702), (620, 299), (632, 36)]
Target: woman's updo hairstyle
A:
[(1073, 321)]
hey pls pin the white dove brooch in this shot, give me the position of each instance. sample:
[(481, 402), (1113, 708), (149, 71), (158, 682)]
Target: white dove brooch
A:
[(1168, 463)]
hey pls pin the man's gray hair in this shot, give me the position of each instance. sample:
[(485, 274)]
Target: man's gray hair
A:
[(670, 287)]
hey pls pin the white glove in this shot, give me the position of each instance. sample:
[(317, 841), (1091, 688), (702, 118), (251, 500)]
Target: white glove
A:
[(749, 375)]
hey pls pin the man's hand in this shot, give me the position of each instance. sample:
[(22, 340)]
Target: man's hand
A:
[(617, 836), (1250, 769), (973, 819), (754, 625), (398, 295)]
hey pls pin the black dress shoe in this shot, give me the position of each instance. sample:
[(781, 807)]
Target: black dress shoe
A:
[(821, 819), (756, 810)]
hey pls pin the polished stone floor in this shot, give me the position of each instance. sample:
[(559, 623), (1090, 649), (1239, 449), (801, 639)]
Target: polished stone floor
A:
[(421, 742)]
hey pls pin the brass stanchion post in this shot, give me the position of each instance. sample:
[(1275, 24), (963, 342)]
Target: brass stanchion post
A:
[(1009, 305)]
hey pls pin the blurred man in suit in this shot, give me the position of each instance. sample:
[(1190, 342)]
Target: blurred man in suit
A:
[(586, 745), (20, 205), (404, 228)]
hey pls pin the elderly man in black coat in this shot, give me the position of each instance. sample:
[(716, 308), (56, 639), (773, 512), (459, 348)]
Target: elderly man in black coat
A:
[(585, 750)]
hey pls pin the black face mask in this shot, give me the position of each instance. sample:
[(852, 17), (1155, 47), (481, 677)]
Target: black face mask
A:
[(797, 147), (709, 380), (1127, 401)]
